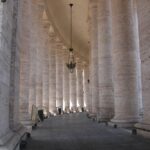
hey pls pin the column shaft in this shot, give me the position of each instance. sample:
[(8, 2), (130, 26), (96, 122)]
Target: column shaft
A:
[(73, 95), (125, 69), (86, 82), (66, 83), (94, 55), (24, 64), (106, 96), (52, 75), (45, 65), (33, 55), (144, 23), (80, 100), (39, 50), (59, 75)]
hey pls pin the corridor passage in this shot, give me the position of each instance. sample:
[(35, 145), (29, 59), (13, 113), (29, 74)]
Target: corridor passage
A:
[(77, 132)]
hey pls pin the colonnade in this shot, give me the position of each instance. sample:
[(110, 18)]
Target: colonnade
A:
[(115, 61), (45, 77), (119, 46), (113, 86)]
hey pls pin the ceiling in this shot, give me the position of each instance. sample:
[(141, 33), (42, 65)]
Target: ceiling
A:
[(59, 15)]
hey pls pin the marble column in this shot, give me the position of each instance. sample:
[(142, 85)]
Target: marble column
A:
[(124, 58), (73, 94), (94, 69), (52, 73), (106, 104), (80, 100), (144, 34), (66, 82), (86, 82), (59, 75)]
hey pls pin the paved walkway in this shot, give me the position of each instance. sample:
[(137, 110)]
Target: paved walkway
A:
[(77, 132)]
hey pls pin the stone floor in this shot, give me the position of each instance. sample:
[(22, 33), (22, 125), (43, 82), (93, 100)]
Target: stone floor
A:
[(77, 132)]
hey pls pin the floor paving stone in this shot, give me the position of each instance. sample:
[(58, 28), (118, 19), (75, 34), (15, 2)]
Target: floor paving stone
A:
[(77, 132)]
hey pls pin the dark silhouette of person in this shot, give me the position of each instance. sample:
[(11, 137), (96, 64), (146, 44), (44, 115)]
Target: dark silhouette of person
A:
[(59, 111)]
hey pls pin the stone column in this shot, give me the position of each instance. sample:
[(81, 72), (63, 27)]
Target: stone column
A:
[(52, 74), (59, 75), (80, 101), (86, 82), (45, 72), (10, 129), (94, 56), (32, 55), (144, 23), (73, 95), (39, 50), (106, 96), (125, 69), (66, 82), (140, 104), (25, 117)]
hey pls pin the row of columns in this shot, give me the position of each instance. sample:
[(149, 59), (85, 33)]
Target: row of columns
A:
[(45, 80), (115, 67)]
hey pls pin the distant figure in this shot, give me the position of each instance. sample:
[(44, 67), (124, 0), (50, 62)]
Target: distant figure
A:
[(82, 109), (59, 111)]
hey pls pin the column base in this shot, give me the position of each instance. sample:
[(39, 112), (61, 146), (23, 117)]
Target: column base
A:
[(74, 109), (79, 109), (12, 140), (28, 125), (143, 129), (67, 110), (123, 123), (103, 118), (92, 116), (105, 114)]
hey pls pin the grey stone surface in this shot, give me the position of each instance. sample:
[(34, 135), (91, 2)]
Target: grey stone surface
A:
[(124, 60), (94, 69), (77, 132), (106, 94), (73, 92), (144, 34)]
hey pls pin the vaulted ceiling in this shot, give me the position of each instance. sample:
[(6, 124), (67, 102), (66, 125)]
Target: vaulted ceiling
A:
[(59, 15)]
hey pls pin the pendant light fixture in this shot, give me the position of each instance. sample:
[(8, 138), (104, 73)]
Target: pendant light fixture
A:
[(71, 61)]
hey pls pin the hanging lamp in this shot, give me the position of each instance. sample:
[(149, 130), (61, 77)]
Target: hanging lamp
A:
[(71, 61)]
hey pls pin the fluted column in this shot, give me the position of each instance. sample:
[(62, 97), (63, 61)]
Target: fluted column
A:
[(94, 55), (66, 82), (106, 96), (144, 23), (59, 75), (73, 94), (124, 54), (52, 74), (80, 100), (86, 82)]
